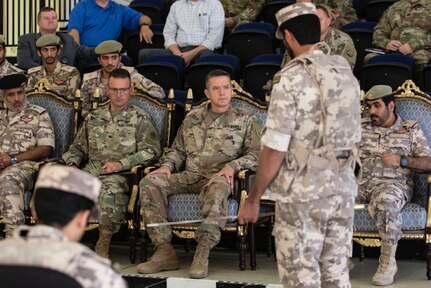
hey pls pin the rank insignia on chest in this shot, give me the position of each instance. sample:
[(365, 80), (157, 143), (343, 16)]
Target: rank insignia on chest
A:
[(26, 118), (59, 81)]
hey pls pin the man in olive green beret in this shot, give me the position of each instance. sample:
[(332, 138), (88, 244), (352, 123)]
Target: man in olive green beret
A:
[(391, 148), (64, 79), (108, 55)]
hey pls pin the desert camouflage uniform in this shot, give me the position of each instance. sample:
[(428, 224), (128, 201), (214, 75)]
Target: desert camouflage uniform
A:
[(94, 80), (408, 23), (344, 9), (340, 44), (45, 246), (20, 132), (7, 69), (388, 189), (242, 11), (315, 187), (65, 79), (129, 138), (203, 146)]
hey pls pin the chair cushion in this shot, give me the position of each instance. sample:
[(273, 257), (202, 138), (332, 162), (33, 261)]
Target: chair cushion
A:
[(414, 218), (188, 207)]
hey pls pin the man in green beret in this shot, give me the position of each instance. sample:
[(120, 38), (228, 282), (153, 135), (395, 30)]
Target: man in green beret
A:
[(26, 136), (64, 79), (108, 55), (391, 148)]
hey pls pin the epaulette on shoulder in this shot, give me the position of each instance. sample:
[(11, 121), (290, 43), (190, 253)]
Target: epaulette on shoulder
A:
[(365, 120), (37, 109), (410, 124), (89, 76), (16, 69), (128, 68), (34, 70), (69, 68)]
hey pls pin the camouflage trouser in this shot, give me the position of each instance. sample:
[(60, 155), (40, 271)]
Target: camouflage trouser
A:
[(385, 201), (14, 180), (155, 189), (314, 241), (112, 202)]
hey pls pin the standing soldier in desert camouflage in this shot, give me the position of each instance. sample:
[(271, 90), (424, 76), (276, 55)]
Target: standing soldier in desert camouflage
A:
[(405, 27), (308, 157), (213, 143), (26, 136), (62, 203), (237, 12), (108, 55), (111, 139), (391, 148), (64, 79)]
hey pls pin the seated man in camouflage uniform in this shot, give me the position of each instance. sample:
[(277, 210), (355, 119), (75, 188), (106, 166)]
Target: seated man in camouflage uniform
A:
[(391, 148), (108, 55), (111, 139), (342, 11), (6, 68), (339, 42), (62, 203), (213, 143), (26, 136), (240, 11), (64, 79)]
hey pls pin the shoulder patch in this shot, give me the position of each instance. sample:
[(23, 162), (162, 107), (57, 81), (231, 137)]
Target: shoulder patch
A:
[(38, 109), (16, 69), (69, 68), (89, 76), (410, 124), (128, 68), (34, 70)]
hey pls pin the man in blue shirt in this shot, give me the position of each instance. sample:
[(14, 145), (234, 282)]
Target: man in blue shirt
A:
[(94, 21)]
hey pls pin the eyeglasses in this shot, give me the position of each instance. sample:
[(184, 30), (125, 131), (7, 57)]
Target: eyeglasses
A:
[(121, 90)]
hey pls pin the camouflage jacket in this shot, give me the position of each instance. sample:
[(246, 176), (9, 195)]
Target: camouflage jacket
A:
[(296, 125), (406, 22), (93, 80), (345, 10), (65, 80), (8, 68), (403, 138), (339, 42), (129, 138), (47, 247), (23, 131), (242, 11), (202, 149)]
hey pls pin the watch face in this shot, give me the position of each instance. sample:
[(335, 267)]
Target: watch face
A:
[(403, 162)]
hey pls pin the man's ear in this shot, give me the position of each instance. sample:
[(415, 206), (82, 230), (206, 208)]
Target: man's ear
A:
[(391, 106)]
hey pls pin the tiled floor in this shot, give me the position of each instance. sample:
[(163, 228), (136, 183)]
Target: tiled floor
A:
[(224, 267)]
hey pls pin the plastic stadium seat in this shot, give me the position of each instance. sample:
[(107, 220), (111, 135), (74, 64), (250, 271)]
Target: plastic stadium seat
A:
[(270, 8), (250, 40), (374, 9), (259, 71), (165, 70), (133, 45), (151, 8)]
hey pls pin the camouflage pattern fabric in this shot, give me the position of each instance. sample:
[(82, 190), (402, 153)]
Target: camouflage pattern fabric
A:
[(242, 11), (344, 9), (304, 230), (47, 247), (20, 132), (316, 185), (94, 80), (202, 147), (408, 23), (65, 80), (7, 68), (129, 138), (388, 189), (339, 42)]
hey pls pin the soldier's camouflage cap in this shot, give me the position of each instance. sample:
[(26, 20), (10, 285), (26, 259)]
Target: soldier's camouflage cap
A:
[(69, 180), (48, 40), (292, 11), (2, 40), (12, 81), (107, 47), (377, 92)]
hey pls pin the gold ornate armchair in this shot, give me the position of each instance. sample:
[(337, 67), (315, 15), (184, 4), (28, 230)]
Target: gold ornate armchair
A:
[(411, 103)]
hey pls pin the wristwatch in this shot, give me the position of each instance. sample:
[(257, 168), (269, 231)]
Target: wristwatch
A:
[(403, 161), (13, 160)]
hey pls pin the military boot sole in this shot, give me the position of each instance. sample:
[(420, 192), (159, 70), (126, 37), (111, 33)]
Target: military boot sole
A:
[(379, 282), (151, 270), (198, 275)]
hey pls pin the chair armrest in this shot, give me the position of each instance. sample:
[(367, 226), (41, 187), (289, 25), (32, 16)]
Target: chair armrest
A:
[(428, 221)]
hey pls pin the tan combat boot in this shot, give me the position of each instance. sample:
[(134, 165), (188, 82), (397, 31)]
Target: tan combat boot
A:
[(199, 267), (165, 258), (387, 265), (102, 245)]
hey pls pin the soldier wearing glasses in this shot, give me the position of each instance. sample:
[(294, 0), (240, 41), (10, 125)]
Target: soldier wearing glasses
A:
[(114, 138)]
